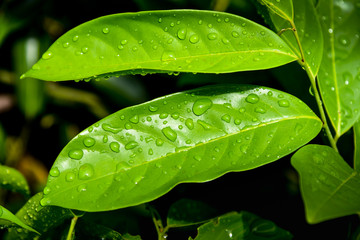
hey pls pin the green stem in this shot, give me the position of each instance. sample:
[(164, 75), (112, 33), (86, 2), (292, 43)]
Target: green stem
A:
[(72, 227), (160, 230)]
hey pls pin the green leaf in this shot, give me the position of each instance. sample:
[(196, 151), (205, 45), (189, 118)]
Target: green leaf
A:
[(38, 217), (13, 180), (162, 41), (7, 25), (339, 75), (283, 8), (30, 92), (329, 187), (12, 219), (357, 146), (243, 225), (187, 212), (308, 30), (140, 153)]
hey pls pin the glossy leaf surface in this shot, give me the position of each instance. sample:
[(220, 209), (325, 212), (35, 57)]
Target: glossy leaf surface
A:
[(140, 153), (329, 187), (357, 146), (13, 180), (308, 30), (243, 225), (282, 8), (11, 219), (187, 212), (339, 75), (162, 41), (38, 217)]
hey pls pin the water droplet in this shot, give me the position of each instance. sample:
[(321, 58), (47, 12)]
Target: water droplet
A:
[(81, 188), (153, 108), (70, 177), (169, 134), (89, 142), (159, 142), (189, 123), (347, 78), (131, 145), (115, 147), (237, 121), (134, 119), (344, 41), (284, 103), (45, 201), (197, 158), (242, 110), (212, 36), (201, 106), (194, 38), (66, 44), (46, 190), (160, 20), (226, 118), (138, 179), (150, 152), (86, 171), (252, 98), (260, 110), (175, 115), (200, 22), (163, 115), (54, 172), (168, 56), (262, 33), (47, 55), (225, 41), (264, 228), (235, 34), (123, 42), (105, 30), (76, 154), (75, 38), (182, 33), (205, 125), (109, 128)]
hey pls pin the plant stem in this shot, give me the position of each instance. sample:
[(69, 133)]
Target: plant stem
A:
[(72, 227), (161, 231)]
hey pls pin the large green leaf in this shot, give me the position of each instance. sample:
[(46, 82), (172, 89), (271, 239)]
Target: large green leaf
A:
[(339, 75), (140, 153), (38, 217), (11, 219), (308, 30), (357, 146), (158, 41), (329, 187), (13, 180), (244, 226), (282, 8)]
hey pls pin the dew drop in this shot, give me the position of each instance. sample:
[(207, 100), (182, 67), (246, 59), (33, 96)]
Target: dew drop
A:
[(252, 98), (159, 142), (168, 56), (86, 171), (105, 30), (81, 188), (89, 142), (115, 147), (163, 115), (169, 134), (75, 38), (47, 55), (201, 106), (242, 110), (109, 128), (181, 34), (134, 119), (131, 145), (46, 190), (76, 154), (150, 152), (70, 177), (212, 36), (235, 34), (226, 118), (153, 108), (225, 41), (189, 123), (159, 20), (260, 110), (197, 158), (194, 39), (54, 172), (205, 125), (237, 121), (45, 201), (66, 44), (283, 103)]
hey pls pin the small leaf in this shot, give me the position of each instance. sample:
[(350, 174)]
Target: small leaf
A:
[(187, 212), (243, 225), (140, 153), (357, 146), (283, 8), (12, 219), (307, 28), (162, 41), (329, 187), (339, 75), (13, 180), (38, 217)]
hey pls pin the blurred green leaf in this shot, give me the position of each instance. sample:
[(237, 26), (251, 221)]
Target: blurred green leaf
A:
[(283, 8), (41, 218), (141, 152), (329, 187), (12, 219), (339, 75), (162, 41), (244, 226), (187, 212), (8, 25), (357, 146), (2, 144), (13, 180)]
